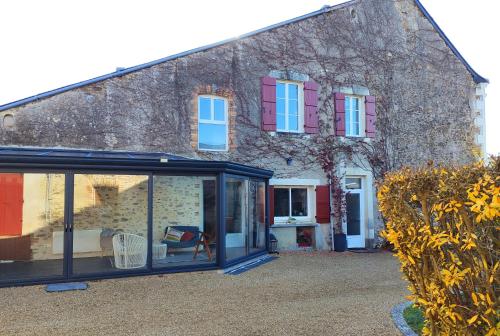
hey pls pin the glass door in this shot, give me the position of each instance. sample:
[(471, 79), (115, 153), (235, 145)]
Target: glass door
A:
[(32, 226), (236, 217), (355, 225), (109, 229)]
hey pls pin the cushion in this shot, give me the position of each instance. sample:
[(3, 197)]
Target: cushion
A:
[(187, 236), (173, 235)]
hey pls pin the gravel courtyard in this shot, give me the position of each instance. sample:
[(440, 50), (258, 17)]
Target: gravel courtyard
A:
[(297, 294)]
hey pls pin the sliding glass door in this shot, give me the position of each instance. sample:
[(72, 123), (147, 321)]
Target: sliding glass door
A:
[(110, 215), (245, 217), (32, 225)]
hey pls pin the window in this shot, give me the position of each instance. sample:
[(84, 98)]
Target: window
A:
[(212, 123), (352, 116), (288, 107), (290, 202)]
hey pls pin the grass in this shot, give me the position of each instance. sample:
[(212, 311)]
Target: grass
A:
[(415, 318)]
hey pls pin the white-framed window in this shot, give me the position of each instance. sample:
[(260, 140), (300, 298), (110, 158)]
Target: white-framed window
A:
[(291, 202), (289, 107), (212, 123), (354, 112)]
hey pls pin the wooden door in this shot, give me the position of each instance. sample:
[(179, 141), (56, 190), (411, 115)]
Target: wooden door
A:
[(11, 204)]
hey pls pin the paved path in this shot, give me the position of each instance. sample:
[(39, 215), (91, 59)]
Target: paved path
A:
[(298, 294)]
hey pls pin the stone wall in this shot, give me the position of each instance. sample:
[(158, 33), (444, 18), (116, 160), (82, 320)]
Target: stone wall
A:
[(386, 46)]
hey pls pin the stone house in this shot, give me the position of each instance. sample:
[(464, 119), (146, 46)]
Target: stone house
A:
[(332, 98)]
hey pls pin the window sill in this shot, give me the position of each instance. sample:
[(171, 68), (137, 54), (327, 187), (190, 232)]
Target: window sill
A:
[(285, 225)]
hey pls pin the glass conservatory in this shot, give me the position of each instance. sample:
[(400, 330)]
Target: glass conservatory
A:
[(76, 215)]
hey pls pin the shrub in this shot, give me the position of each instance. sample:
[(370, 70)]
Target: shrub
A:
[(444, 224)]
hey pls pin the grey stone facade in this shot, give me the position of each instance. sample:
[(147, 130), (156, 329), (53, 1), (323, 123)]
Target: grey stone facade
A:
[(385, 47)]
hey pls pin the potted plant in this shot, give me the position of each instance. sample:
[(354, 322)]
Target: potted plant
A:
[(338, 203)]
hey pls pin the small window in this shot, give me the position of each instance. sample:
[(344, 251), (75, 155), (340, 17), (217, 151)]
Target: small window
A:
[(290, 202), (212, 123), (352, 116), (288, 107)]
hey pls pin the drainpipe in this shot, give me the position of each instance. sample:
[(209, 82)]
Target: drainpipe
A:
[(330, 200)]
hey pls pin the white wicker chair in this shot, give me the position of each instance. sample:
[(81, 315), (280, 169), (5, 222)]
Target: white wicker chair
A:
[(130, 250)]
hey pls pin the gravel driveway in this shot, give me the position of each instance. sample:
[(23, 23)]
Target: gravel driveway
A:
[(298, 294)]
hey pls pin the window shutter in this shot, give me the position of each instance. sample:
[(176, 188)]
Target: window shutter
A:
[(323, 204), (370, 116), (311, 107), (339, 120), (268, 90), (271, 205)]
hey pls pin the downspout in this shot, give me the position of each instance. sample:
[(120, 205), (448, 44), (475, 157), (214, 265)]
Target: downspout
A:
[(330, 200)]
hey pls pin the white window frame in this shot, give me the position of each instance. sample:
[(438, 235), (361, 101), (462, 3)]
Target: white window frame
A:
[(349, 129), (300, 109), (284, 219), (212, 121)]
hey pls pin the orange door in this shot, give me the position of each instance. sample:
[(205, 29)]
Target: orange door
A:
[(11, 204)]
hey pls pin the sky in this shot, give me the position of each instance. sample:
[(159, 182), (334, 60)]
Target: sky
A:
[(51, 43)]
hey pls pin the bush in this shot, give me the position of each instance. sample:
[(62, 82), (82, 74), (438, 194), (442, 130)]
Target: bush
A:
[(444, 224), (414, 318)]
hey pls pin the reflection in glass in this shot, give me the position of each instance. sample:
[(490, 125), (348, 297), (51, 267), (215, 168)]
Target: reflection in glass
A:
[(299, 202), (205, 108), (236, 218), (353, 214), (212, 136), (219, 110), (257, 228), (281, 202), (31, 225)]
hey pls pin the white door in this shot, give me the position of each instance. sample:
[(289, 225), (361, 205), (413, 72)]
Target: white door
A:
[(354, 225)]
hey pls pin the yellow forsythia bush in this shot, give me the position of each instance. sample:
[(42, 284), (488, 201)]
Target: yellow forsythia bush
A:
[(444, 224)]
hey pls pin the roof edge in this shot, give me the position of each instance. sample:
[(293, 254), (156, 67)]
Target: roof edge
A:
[(475, 76), (135, 68)]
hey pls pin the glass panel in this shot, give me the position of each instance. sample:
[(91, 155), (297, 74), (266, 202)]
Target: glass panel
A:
[(355, 109), (299, 202), (219, 110), (355, 127), (280, 114), (293, 123), (353, 183), (257, 208), (110, 223), (292, 91), (31, 225), (353, 214), (280, 90), (347, 118), (236, 218), (205, 108), (184, 220), (212, 136), (281, 202)]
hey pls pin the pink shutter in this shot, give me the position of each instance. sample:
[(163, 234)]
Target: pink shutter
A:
[(323, 204), (311, 107), (339, 119), (370, 116), (268, 90)]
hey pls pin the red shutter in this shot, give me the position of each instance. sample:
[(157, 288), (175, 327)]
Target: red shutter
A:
[(268, 90), (370, 116), (323, 204), (11, 204), (339, 120), (271, 205), (311, 107)]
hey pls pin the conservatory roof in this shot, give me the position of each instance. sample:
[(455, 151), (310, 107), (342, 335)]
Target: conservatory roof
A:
[(67, 158)]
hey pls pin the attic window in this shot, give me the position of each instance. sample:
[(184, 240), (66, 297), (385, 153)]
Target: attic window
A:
[(8, 121)]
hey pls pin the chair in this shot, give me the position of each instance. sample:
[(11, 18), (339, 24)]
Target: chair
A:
[(199, 238), (130, 250)]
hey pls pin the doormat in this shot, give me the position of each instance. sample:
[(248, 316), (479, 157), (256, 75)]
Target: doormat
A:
[(249, 266), (363, 250), (67, 286)]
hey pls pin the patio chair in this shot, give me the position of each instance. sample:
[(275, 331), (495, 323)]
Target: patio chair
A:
[(199, 238), (130, 250)]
